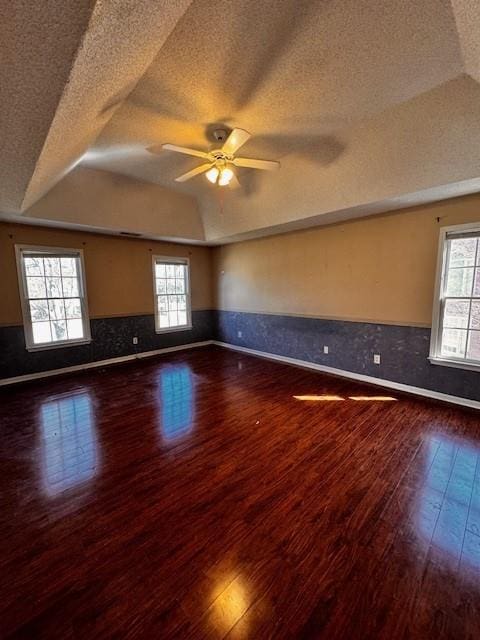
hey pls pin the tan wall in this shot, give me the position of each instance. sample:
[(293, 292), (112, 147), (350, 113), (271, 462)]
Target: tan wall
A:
[(379, 269), (118, 270)]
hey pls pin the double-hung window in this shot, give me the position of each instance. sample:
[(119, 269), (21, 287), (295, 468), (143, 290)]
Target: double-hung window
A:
[(53, 296), (172, 294), (456, 317)]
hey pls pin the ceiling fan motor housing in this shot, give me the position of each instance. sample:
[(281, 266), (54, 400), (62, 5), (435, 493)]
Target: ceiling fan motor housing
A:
[(220, 135)]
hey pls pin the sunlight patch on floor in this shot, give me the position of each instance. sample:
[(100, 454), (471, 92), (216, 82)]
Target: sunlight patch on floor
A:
[(327, 398)]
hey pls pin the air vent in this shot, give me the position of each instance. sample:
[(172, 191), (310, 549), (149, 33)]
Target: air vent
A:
[(132, 234)]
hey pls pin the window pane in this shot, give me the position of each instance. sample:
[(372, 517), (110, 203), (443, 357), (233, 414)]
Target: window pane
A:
[(475, 315), (41, 332), (52, 266), (75, 329), (161, 286), (54, 287), (164, 320), (162, 303), (171, 291), (56, 309), (474, 345), (456, 314), (68, 266), (70, 287), (476, 284), (53, 292), (36, 287), (33, 266), (39, 310), (454, 343), (59, 329), (182, 302), (73, 308), (160, 271), (459, 282), (462, 252)]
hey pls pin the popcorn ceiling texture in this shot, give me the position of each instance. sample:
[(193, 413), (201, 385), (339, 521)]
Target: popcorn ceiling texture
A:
[(368, 105)]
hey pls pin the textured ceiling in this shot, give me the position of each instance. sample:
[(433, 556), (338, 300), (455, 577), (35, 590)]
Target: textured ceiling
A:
[(367, 105)]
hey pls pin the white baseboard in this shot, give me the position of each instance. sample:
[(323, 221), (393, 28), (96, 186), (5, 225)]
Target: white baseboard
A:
[(101, 363), (379, 382)]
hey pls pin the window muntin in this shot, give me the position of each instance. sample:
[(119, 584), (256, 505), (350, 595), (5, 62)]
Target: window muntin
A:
[(457, 315), (172, 293), (53, 297)]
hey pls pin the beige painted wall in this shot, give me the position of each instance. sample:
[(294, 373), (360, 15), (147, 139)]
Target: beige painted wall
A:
[(118, 270), (379, 269)]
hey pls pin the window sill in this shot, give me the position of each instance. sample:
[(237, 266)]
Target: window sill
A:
[(457, 364), (187, 327), (57, 345)]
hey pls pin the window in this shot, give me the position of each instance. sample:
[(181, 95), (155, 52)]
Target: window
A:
[(52, 290), (172, 294), (456, 318)]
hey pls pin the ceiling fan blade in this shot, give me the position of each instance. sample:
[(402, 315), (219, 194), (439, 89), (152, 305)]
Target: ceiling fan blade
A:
[(235, 140), (186, 150), (234, 183), (194, 172), (251, 163)]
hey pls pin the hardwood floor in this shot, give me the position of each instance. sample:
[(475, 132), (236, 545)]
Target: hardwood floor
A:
[(194, 496)]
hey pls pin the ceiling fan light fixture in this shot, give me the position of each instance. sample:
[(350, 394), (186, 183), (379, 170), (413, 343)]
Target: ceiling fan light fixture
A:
[(212, 175), (218, 161), (225, 176)]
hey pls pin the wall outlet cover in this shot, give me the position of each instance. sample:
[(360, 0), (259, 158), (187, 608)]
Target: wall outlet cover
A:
[(239, 334), (376, 358), (135, 340), (325, 349)]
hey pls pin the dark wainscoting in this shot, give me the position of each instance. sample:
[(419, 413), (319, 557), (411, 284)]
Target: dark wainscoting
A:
[(404, 350), (111, 338)]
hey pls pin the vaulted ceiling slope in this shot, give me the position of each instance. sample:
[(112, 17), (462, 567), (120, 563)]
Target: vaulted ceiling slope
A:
[(368, 105)]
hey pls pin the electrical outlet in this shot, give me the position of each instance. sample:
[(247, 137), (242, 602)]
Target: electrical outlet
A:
[(325, 349), (135, 340), (376, 358), (239, 334)]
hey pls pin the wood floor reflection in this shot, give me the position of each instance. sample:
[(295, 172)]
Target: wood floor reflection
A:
[(209, 494)]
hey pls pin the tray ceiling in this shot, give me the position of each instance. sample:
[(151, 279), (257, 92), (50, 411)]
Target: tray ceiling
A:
[(367, 105)]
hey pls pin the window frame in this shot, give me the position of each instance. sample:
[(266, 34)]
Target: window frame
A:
[(435, 357), (22, 250), (188, 293)]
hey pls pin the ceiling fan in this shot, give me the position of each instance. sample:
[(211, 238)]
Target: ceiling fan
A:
[(219, 162)]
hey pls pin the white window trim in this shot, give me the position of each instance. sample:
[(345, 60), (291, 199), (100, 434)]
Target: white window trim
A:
[(435, 339), (22, 288), (173, 260)]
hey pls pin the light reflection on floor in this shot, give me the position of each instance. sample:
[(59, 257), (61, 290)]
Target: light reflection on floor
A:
[(231, 604), (68, 442), (176, 396), (330, 398), (448, 506)]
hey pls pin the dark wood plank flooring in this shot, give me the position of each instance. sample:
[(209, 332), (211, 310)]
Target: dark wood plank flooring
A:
[(193, 496)]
